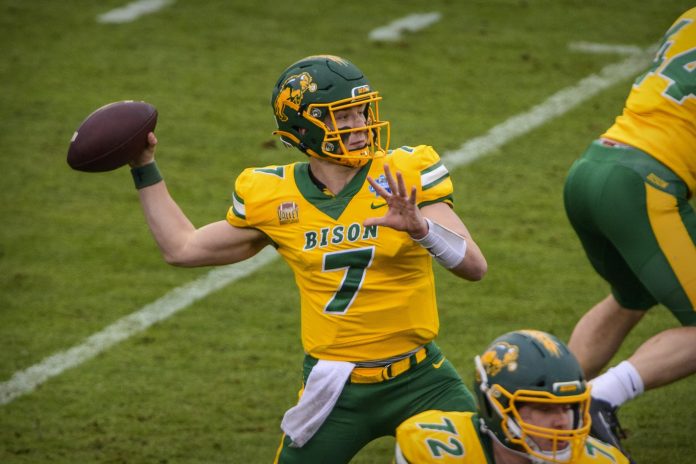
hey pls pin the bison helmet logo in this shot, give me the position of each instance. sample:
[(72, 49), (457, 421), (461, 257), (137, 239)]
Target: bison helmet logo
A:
[(499, 356), (293, 89)]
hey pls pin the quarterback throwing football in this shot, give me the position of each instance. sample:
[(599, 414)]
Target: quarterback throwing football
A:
[(359, 225)]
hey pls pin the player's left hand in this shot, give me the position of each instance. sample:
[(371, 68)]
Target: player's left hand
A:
[(403, 213)]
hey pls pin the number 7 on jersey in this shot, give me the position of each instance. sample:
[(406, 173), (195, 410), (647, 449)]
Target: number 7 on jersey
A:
[(355, 262)]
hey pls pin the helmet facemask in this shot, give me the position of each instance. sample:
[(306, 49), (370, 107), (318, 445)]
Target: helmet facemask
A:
[(547, 444), (334, 142)]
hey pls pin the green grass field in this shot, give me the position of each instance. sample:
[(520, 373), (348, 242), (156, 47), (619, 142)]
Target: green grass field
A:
[(211, 383)]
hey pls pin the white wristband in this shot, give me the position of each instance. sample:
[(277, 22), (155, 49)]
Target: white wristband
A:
[(447, 247)]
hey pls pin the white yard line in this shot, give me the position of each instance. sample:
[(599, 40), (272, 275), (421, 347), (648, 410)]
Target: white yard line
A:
[(181, 297), (25, 381), (411, 23), (133, 11), (557, 104), (592, 47)]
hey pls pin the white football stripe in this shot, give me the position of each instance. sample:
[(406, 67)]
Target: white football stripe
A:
[(592, 47), (133, 11), (557, 104), (412, 23), (181, 297), (25, 381)]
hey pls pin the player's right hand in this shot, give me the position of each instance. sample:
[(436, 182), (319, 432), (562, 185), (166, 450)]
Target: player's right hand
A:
[(148, 154)]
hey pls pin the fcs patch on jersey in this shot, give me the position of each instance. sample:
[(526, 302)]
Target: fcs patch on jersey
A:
[(382, 182), (288, 213)]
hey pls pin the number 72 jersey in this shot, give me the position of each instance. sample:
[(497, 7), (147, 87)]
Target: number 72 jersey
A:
[(660, 113), (449, 437), (366, 293)]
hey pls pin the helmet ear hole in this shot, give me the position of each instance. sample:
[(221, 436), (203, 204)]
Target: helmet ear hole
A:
[(317, 113)]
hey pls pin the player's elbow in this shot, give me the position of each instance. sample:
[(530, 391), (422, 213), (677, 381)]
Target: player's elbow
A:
[(177, 258), (473, 270), (174, 260), (478, 273)]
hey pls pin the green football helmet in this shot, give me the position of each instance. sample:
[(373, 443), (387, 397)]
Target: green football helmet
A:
[(530, 366), (310, 92)]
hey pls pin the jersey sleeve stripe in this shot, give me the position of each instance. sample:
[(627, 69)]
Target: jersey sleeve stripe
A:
[(433, 175), (238, 206), (447, 199)]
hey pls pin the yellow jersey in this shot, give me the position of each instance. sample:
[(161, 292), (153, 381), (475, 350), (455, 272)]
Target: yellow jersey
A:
[(660, 113), (454, 437), (366, 293)]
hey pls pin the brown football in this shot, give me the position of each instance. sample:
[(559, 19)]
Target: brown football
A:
[(111, 136)]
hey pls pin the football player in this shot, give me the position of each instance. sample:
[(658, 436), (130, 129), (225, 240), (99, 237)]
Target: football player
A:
[(627, 198), (533, 407), (359, 225)]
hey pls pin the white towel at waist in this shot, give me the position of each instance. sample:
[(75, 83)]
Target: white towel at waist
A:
[(324, 385)]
